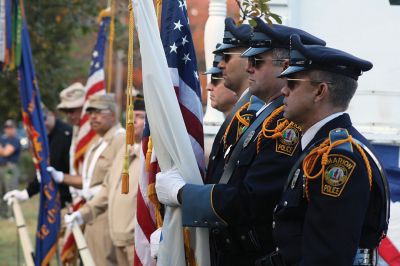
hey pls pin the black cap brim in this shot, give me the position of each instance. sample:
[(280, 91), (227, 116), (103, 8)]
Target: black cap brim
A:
[(255, 51), (291, 70), (224, 47)]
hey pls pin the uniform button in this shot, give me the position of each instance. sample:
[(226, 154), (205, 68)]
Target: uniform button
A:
[(216, 223), (242, 237), (277, 249), (213, 158), (273, 225), (196, 222), (238, 162), (205, 222), (276, 207), (285, 203), (228, 241)]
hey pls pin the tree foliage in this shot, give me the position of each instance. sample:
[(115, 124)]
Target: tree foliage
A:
[(257, 8), (55, 26)]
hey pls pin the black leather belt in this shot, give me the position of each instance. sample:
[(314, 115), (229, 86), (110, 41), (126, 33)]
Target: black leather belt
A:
[(273, 259), (364, 257)]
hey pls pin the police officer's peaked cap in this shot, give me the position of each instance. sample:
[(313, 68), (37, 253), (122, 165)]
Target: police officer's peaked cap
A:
[(215, 69), (266, 37), (314, 57), (235, 36)]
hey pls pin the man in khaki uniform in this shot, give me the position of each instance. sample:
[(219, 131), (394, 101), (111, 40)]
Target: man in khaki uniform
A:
[(121, 207), (96, 168)]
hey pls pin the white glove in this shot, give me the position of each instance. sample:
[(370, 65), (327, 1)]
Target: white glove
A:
[(168, 184), (74, 217), (20, 195), (155, 238), (87, 194), (58, 176)]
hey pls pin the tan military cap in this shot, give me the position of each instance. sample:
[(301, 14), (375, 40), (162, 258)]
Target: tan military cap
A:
[(102, 102), (72, 97)]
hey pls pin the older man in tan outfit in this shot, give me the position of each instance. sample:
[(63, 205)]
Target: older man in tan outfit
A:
[(96, 168), (121, 207)]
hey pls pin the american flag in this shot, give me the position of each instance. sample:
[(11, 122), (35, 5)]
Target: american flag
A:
[(94, 85), (181, 58)]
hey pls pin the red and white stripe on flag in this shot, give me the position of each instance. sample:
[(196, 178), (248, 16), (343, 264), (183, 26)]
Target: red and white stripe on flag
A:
[(145, 223)]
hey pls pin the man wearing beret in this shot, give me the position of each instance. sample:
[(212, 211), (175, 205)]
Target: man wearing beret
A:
[(334, 208), (238, 208), (96, 168)]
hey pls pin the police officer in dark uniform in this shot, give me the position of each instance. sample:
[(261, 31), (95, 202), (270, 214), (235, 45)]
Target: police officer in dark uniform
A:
[(334, 208), (236, 40), (221, 98), (238, 209)]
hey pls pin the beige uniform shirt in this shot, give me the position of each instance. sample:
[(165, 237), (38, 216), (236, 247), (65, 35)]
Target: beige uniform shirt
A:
[(109, 145), (121, 207)]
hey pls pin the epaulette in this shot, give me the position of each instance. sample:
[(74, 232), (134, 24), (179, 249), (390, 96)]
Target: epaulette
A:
[(340, 134)]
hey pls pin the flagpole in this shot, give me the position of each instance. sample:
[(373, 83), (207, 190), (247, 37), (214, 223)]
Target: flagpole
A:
[(23, 233), (82, 246)]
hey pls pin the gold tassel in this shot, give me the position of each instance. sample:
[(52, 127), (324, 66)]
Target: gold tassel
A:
[(130, 130), (125, 175), (148, 154)]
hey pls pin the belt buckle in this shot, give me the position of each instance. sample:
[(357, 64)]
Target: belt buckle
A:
[(364, 257)]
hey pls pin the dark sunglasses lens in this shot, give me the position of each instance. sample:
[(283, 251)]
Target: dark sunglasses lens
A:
[(226, 57), (291, 84)]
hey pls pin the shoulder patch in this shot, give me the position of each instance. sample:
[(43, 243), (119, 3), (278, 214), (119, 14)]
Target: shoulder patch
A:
[(337, 172), (290, 139)]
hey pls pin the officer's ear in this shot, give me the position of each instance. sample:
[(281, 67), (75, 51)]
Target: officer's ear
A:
[(321, 91), (285, 64)]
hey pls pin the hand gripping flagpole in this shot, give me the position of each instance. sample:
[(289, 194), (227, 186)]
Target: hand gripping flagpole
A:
[(23, 233)]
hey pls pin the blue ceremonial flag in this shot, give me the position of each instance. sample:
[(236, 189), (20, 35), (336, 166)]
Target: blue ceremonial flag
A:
[(49, 209)]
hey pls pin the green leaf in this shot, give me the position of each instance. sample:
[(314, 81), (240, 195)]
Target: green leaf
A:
[(276, 17)]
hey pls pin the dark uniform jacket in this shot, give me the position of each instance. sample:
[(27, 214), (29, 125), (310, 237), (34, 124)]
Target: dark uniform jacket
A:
[(323, 221), (239, 213), (216, 162), (59, 141)]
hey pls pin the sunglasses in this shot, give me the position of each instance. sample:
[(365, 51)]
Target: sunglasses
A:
[(226, 56), (98, 111), (216, 79), (291, 83), (257, 62)]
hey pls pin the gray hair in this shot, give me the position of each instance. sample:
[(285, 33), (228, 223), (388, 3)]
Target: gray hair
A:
[(341, 88)]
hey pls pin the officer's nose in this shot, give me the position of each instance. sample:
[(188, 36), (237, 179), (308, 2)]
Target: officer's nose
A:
[(221, 64), (209, 87), (285, 90)]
